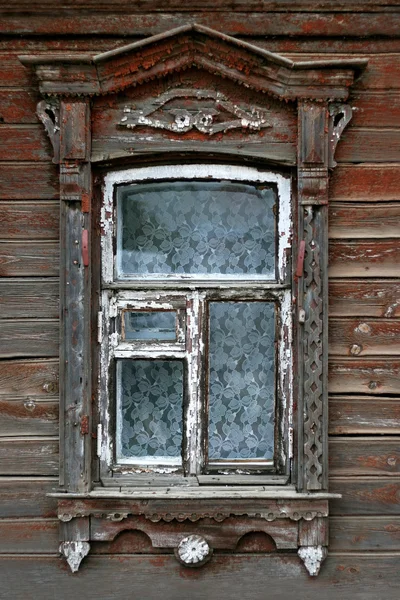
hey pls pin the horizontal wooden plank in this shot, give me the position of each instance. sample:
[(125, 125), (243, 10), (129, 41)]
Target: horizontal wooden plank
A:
[(364, 456), (348, 576), (371, 258), (365, 496), (29, 338), (19, 259), (27, 497), (25, 416), (356, 220), (29, 298), (364, 533), (313, 24), (371, 376), (369, 145), (24, 142), (19, 181), (26, 456), (364, 337), (368, 183), (18, 106), (364, 415), (29, 377), (24, 536), (375, 109), (30, 220), (368, 298)]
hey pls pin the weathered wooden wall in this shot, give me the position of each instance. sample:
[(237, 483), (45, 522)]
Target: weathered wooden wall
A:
[(364, 308)]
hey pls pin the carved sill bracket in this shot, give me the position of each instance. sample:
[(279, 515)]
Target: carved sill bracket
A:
[(312, 557), (74, 552)]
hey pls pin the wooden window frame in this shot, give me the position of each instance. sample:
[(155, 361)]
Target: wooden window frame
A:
[(294, 515)]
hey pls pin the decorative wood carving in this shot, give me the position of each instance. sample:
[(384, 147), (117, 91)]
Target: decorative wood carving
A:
[(205, 110), (312, 556), (193, 551), (297, 522), (48, 112)]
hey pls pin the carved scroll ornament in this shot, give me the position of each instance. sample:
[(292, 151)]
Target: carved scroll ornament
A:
[(215, 115)]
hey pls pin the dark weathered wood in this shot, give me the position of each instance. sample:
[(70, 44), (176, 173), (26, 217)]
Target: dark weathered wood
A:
[(29, 377), (29, 298), (376, 109), (368, 414), (369, 145), (364, 258), (354, 220), (19, 181), (29, 259), (30, 220), (242, 23), (39, 536), (365, 576), (28, 338), (364, 456), (26, 456), (18, 106), (28, 416), (24, 142), (365, 496), (364, 533), (364, 337), (369, 183), (368, 298), (364, 376), (27, 497)]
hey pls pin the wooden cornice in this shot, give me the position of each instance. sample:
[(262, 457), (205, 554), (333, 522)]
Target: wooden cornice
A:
[(194, 46)]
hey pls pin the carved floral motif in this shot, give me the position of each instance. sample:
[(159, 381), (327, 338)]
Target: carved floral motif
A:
[(206, 110)]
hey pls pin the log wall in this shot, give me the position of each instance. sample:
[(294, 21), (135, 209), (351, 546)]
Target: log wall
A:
[(364, 308)]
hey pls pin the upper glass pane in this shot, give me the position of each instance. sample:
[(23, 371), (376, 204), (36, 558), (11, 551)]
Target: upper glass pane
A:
[(196, 228), (154, 325)]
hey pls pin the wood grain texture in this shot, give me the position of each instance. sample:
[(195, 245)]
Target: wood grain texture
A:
[(369, 145), (19, 259), (24, 142), (373, 376), (354, 576), (364, 337), (29, 338), (376, 109), (26, 456), (29, 377), (348, 258), (234, 23), (365, 496), (18, 106), (29, 298), (364, 456), (25, 536), (24, 181), (25, 416), (364, 533), (364, 298), (27, 497), (361, 221), (364, 415), (368, 183), (30, 220)]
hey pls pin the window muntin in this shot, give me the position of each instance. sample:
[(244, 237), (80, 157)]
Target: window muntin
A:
[(194, 345)]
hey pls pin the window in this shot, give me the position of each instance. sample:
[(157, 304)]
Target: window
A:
[(196, 309)]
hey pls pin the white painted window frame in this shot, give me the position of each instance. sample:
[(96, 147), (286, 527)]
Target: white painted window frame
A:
[(139, 291)]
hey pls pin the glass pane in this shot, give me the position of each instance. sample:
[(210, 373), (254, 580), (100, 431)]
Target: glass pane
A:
[(149, 416), (196, 228), (157, 325), (241, 381)]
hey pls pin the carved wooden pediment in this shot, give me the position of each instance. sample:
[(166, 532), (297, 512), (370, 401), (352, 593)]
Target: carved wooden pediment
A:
[(200, 47)]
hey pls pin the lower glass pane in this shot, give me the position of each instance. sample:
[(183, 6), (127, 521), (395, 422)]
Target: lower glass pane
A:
[(241, 381), (149, 410)]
